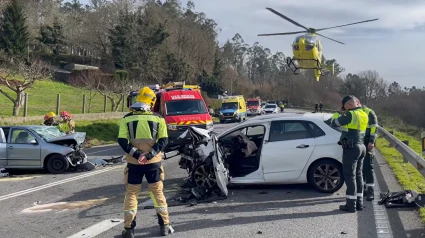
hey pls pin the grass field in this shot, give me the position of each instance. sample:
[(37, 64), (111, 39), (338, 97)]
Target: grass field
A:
[(42, 99), (406, 174)]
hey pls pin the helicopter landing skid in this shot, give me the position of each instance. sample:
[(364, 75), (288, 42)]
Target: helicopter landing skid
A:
[(290, 62)]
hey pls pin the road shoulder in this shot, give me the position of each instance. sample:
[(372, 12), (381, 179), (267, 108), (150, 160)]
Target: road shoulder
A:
[(405, 222)]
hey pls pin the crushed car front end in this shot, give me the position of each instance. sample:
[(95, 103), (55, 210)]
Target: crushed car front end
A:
[(76, 143)]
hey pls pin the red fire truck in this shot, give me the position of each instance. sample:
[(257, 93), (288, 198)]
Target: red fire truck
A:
[(254, 106), (182, 106)]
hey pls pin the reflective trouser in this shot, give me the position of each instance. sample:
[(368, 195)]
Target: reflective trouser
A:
[(133, 176), (352, 163), (368, 168)]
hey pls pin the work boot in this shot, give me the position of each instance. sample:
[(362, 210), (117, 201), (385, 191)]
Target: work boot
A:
[(128, 233), (370, 194), (350, 206), (359, 204), (166, 229)]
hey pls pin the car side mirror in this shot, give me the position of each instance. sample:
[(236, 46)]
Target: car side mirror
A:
[(34, 142)]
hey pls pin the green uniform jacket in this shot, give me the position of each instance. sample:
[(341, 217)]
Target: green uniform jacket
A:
[(371, 135), (354, 123)]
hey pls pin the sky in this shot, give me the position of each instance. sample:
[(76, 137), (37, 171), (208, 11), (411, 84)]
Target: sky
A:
[(393, 45)]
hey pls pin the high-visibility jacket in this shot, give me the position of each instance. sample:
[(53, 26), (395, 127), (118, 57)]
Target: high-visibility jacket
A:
[(143, 132), (370, 136), (67, 126), (354, 123)]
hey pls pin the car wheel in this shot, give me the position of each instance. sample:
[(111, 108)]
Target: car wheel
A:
[(326, 176), (57, 164), (203, 175)]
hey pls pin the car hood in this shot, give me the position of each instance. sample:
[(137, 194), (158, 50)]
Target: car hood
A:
[(269, 109), (76, 138)]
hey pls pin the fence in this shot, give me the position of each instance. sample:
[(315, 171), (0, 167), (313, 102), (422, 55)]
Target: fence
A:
[(39, 104), (402, 147)]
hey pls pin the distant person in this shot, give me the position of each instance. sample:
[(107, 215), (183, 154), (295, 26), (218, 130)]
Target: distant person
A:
[(320, 106), (316, 107), (210, 110)]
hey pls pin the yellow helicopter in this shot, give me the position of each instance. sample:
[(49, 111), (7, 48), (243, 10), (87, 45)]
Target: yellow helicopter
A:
[(307, 48)]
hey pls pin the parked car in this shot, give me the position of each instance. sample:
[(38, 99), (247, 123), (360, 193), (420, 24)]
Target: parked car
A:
[(271, 108), (290, 148), (35, 147)]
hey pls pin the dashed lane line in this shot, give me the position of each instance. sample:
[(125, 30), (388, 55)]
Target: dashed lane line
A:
[(49, 185), (98, 228)]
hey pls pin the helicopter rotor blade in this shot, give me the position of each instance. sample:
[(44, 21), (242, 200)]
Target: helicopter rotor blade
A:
[(321, 29), (286, 18), (281, 34), (330, 38)]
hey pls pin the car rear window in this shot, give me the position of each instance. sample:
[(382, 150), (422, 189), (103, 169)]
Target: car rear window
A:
[(328, 122)]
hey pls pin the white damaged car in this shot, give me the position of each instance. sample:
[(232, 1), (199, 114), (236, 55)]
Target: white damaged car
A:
[(290, 148)]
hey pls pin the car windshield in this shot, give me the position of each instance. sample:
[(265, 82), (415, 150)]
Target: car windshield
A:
[(48, 132), (229, 105), (185, 107), (253, 103), (270, 106)]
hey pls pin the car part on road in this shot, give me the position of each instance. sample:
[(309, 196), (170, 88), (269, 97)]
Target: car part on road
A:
[(326, 176), (406, 198), (3, 173)]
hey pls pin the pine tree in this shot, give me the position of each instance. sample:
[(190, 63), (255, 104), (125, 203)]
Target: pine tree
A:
[(14, 34)]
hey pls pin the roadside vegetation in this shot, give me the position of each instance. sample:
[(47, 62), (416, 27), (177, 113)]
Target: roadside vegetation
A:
[(406, 174)]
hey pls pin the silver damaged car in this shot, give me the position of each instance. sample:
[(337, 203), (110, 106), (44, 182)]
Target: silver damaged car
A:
[(35, 147)]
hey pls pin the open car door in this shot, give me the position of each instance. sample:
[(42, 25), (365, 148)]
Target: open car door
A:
[(221, 173), (3, 151)]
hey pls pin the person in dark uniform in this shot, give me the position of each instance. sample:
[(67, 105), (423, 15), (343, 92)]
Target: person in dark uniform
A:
[(369, 142), (354, 122), (143, 136)]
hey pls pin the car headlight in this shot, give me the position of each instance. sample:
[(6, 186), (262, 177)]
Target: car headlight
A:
[(172, 127), (209, 125)]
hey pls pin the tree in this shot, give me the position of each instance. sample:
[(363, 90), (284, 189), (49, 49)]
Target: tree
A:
[(14, 32), (20, 77), (52, 36), (88, 81)]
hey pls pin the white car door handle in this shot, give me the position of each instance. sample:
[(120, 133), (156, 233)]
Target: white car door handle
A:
[(303, 146)]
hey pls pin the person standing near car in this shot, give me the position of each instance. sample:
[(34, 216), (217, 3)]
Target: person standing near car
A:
[(143, 136), (67, 125), (369, 142), (49, 119), (354, 122)]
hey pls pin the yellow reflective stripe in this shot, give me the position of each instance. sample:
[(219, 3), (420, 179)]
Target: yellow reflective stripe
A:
[(373, 130), (181, 123), (155, 204), (202, 122)]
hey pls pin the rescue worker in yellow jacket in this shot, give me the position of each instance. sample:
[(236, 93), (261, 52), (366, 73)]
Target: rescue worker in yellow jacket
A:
[(49, 119), (143, 136), (353, 122), (67, 125)]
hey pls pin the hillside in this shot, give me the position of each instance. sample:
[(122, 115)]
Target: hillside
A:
[(42, 99)]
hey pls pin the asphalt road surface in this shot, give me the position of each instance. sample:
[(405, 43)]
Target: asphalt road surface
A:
[(89, 204)]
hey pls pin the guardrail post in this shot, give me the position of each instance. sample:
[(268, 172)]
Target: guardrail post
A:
[(84, 104), (406, 142), (25, 104), (423, 143), (104, 103), (58, 102)]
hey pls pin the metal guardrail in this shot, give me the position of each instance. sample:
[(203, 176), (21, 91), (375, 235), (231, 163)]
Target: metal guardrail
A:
[(409, 155)]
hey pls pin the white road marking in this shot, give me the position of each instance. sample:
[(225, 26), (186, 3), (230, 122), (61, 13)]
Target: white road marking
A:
[(383, 227), (98, 228), (31, 190), (102, 151)]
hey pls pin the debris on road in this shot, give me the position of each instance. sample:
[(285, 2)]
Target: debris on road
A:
[(406, 198), (3, 173)]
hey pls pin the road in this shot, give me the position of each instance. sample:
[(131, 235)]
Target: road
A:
[(86, 204)]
